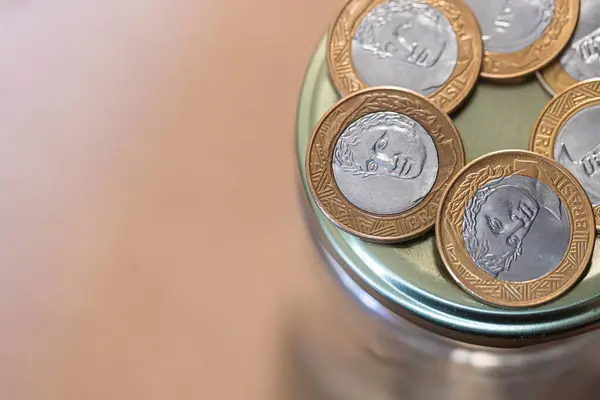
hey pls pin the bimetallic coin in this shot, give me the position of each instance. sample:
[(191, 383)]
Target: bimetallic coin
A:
[(581, 58), (379, 146), (521, 36), (378, 162), (515, 229), (567, 130), (432, 47)]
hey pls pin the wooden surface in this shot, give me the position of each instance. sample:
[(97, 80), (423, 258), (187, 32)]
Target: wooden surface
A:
[(150, 225)]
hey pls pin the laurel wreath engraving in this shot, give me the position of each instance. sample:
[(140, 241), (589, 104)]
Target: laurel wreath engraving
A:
[(499, 292), (469, 188), (557, 111), (343, 154), (320, 168)]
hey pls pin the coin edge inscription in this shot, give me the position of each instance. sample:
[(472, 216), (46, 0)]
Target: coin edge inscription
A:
[(556, 113), (319, 168), (463, 77), (515, 294)]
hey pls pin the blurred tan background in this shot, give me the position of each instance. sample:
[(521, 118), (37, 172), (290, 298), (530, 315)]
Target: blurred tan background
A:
[(150, 229)]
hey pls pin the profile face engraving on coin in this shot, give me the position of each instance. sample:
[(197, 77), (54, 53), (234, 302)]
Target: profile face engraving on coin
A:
[(567, 130), (578, 148), (430, 46), (581, 58), (378, 161), (385, 152), (406, 44), (521, 36), (512, 25), (515, 229)]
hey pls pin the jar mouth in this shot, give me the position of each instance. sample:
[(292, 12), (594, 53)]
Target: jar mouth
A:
[(407, 279)]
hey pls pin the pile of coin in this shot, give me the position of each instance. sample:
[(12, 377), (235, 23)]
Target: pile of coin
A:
[(514, 228)]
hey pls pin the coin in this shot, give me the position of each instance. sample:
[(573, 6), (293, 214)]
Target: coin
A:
[(432, 47), (378, 161), (515, 229), (521, 36), (567, 131), (581, 58)]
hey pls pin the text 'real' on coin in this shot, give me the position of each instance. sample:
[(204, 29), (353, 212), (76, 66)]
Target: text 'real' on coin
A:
[(515, 229), (567, 131), (581, 58), (432, 47), (522, 36), (378, 161)]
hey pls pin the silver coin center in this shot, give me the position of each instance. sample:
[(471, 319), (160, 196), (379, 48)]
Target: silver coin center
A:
[(577, 147), (407, 44), (581, 59), (516, 228), (385, 163), (508, 26)]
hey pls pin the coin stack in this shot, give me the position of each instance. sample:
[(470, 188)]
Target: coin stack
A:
[(513, 228)]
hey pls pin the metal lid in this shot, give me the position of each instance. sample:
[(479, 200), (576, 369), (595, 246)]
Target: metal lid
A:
[(409, 279)]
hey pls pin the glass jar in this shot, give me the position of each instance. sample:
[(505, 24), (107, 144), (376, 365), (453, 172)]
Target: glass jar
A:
[(395, 326)]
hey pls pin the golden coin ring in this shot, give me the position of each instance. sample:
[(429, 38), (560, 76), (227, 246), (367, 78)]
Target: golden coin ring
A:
[(319, 169), (473, 279), (463, 77), (540, 53), (562, 107)]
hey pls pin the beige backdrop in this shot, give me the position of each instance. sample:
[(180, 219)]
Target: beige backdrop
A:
[(150, 230)]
